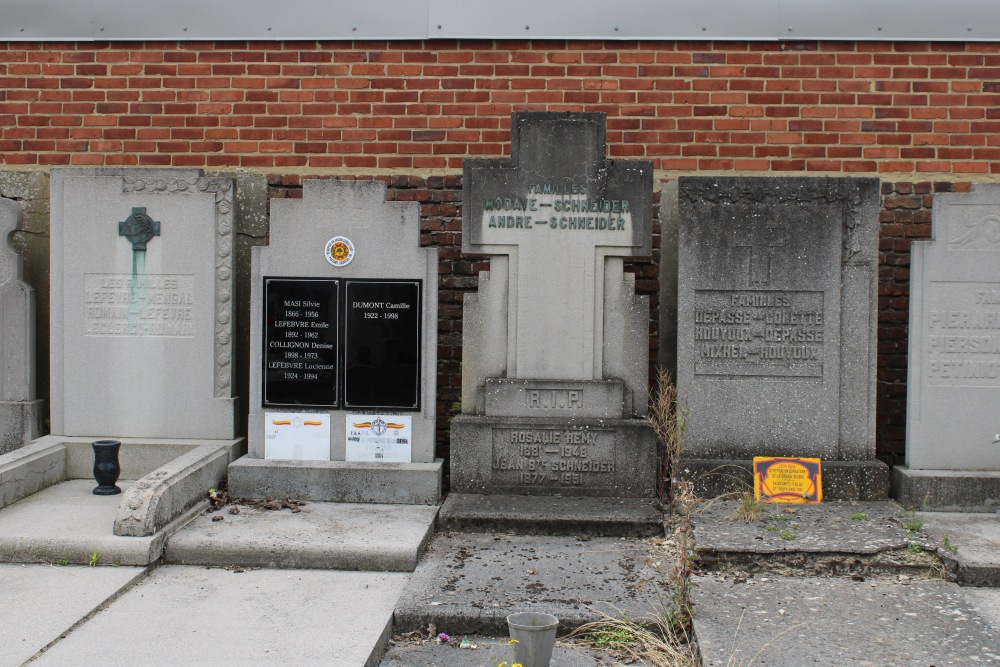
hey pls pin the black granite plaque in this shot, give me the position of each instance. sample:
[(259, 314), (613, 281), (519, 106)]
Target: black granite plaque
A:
[(301, 341), (382, 325)]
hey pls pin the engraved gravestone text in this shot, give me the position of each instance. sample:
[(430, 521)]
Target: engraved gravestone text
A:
[(122, 304), (962, 339), (777, 333)]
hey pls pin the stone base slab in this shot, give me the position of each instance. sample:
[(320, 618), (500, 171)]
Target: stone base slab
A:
[(67, 523), (550, 515), (969, 545), (20, 423), (468, 583), (842, 480), (791, 621), (337, 481), (553, 457), (329, 536), (947, 490)]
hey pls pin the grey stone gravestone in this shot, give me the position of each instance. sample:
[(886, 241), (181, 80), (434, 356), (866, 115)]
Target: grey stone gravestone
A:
[(141, 304), (776, 326), (953, 384), (343, 351), (555, 343), (20, 411)]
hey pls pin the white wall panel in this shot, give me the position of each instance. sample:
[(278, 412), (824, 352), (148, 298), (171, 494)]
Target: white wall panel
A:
[(946, 20)]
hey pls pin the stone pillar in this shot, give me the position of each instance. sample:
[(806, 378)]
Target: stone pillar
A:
[(20, 411)]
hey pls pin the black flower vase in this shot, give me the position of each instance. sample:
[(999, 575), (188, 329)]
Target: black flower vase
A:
[(106, 467)]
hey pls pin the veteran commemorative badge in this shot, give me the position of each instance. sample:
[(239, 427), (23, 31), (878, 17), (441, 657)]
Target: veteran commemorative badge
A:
[(339, 251)]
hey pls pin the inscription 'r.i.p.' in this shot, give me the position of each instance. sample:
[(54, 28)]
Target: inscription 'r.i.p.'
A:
[(555, 398)]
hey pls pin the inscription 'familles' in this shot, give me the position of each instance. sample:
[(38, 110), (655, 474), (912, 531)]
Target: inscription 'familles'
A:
[(139, 305), (759, 333)]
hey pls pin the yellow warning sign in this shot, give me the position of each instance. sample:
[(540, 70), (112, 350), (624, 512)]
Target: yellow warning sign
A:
[(787, 480)]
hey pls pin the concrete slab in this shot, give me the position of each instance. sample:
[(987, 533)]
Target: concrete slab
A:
[(39, 603), (489, 651), (975, 542), (468, 583), (338, 536), (66, 522), (794, 621), (828, 538), (199, 616), (551, 515)]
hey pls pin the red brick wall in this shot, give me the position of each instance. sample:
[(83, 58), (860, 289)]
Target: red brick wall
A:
[(855, 107), (925, 117)]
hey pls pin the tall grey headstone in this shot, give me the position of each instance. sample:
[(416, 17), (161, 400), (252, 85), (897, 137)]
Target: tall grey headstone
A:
[(309, 367), (555, 343), (776, 324), (20, 411), (141, 310), (953, 384)]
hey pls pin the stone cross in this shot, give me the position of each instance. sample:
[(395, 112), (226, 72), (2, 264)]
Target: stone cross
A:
[(556, 209), (760, 235), (139, 228)]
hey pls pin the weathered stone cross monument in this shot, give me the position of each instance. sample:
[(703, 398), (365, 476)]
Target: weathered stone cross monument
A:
[(555, 361)]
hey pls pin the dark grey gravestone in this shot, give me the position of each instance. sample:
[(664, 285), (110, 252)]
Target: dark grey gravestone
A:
[(20, 412), (953, 390), (776, 324), (555, 359)]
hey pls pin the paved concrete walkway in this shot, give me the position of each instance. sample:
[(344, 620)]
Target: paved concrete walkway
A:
[(844, 591), (844, 585), (186, 616)]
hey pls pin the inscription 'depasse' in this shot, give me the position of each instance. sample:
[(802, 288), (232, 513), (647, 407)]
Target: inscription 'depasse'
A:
[(758, 333), (553, 458)]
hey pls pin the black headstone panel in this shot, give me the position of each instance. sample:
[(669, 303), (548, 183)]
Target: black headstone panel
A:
[(301, 341), (382, 357)]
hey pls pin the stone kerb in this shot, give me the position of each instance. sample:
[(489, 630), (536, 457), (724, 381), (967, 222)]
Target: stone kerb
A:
[(953, 391), (20, 412)]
